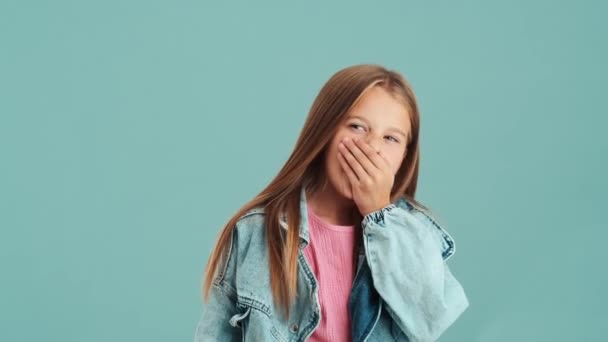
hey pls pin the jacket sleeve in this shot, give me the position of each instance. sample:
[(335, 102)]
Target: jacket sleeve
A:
[(219, 319), (407, 252)]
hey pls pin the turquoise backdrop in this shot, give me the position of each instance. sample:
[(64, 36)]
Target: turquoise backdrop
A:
[(131, 130)]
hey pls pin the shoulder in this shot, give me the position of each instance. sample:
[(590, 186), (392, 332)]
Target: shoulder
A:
[(247, 238), (256, 211), (251, 221), (250, 232)]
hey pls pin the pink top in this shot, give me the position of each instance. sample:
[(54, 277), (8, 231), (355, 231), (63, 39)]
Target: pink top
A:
[(330, 255)]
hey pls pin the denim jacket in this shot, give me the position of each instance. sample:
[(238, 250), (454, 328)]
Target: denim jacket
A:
[(403, 289)]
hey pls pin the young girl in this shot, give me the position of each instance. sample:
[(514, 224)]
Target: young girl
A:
[(336, 248)]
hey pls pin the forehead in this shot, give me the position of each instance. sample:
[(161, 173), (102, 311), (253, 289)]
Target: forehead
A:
[(382, 109)]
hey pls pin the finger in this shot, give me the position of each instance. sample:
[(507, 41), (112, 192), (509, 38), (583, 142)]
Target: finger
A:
[(385, 160), (354, 163), (365, 163), (377, 159), (347, 169)]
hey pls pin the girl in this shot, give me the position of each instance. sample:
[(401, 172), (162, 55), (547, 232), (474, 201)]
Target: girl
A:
[(336, 248)]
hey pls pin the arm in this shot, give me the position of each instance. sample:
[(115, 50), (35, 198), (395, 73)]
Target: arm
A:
[(406, 252), (220, 314)]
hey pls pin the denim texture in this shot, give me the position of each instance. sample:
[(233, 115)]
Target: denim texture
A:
[(403, 289)]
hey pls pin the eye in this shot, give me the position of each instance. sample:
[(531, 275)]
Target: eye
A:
[(395, 139), (351, 125)]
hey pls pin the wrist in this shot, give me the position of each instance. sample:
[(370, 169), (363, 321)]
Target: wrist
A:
[(377, 207), (377, 215)]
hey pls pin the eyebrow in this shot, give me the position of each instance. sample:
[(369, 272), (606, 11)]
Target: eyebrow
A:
[(395, 129)]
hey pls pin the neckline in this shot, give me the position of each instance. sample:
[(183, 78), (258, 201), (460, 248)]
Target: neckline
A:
[(331, 226)]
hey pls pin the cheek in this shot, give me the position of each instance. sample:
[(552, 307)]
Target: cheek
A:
[(344, 134), (334, 150), (332, 161), (395, 160)]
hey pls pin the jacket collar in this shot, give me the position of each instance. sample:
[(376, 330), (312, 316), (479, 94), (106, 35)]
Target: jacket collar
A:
[(304, 235)]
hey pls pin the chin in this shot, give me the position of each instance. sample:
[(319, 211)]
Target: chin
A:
[(347, 193), (344, 188), (339, 181)]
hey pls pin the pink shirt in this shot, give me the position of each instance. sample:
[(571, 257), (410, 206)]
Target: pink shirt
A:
[(330, 255)]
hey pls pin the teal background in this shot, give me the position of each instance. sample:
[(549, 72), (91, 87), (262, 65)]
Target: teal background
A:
[(130, 131)]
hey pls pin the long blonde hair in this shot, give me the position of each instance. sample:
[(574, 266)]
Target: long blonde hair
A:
[(305, 168)]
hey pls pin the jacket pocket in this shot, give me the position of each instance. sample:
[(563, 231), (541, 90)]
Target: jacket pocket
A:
[(263, 326)]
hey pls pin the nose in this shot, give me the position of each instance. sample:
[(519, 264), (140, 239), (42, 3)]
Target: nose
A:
[(372, 140)]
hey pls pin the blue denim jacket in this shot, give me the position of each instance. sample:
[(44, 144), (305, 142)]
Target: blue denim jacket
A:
[(403, 289)]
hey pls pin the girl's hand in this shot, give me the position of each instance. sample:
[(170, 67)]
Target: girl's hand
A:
[(369, 173)]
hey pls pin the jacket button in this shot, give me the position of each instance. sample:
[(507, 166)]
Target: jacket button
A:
[(294, 327)]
